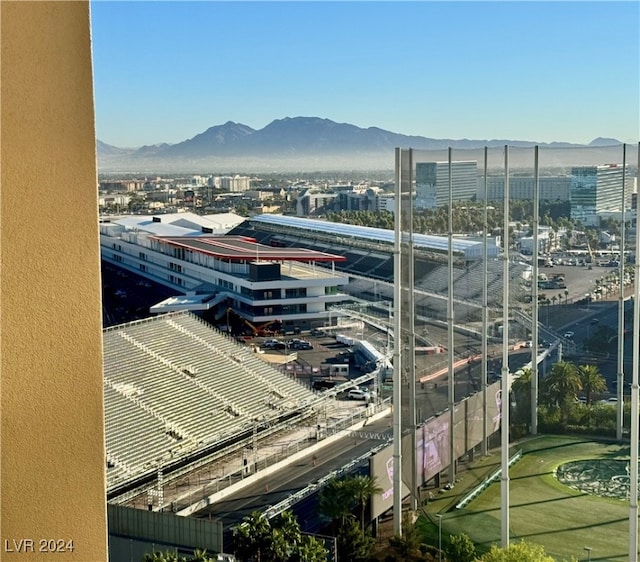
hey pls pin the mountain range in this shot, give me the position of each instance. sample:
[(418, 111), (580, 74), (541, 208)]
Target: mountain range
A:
[(310, 144)]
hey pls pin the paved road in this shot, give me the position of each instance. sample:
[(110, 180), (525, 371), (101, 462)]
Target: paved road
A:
[(271, 489), (276, 487), (603, 314)]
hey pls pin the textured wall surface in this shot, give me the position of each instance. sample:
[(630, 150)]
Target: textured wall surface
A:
[(52, 483)]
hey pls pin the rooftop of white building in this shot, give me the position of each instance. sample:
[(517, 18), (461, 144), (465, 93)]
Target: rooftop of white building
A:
[(241, 248), (469, 247), (180, 224)]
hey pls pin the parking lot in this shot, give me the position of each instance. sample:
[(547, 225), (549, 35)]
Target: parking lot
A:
[(317, 359)]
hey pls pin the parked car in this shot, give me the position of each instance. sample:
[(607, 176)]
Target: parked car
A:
[(299, 344), (358, 394), (274, 344), (323, 384), (569, 335)]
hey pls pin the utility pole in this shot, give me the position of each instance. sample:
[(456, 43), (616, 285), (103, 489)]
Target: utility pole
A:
[(504, 424)]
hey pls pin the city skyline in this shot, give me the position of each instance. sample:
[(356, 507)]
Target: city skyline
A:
[(535, 71)]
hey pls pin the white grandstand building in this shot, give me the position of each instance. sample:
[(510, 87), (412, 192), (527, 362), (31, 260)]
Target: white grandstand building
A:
[(213, 272), (347, 234), (176, 388), (369, 263)]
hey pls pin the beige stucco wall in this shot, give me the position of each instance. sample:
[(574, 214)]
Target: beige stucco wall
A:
[(52, 483)]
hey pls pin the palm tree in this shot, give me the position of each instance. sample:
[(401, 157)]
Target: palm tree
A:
[(286, 535), (253, 538), (362, 488), (561, 386), (521, 389), (335, 501), (592, 381)]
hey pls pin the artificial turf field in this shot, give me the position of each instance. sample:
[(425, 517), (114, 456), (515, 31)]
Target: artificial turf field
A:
[(542, 510)]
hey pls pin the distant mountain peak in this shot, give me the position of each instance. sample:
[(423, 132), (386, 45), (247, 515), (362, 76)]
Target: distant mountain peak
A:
[(604, 141), (228, 126), (304, 142)]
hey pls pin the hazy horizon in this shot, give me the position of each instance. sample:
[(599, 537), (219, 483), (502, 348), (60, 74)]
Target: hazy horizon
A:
[(533, 71)]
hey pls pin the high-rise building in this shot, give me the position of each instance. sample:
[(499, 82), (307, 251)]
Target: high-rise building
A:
[(595, 189), (432, 183), (236, 183)]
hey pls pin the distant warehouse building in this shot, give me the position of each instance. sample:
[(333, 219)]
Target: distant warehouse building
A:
[(214, 271)]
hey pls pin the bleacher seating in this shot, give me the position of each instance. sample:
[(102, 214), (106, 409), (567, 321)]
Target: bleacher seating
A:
[(384, 271), (174, 385), (368, 264)]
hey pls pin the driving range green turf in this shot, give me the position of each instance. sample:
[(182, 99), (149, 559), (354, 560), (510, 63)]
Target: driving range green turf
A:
[(542, 510)]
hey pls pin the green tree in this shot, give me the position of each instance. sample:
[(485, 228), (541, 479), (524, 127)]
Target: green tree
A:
[(354, 545), (335, 502), (253, 538), (256, 539), (309, 549), (517, 552), (242, 209), (361, 488), (560, 387), (407, 545), (521, 389), (592, 381), (286, 536), (200, 556), (166, 556), (460, 549)]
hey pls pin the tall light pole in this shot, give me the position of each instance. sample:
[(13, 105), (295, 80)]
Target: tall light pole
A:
[(633, 456), (485, 308), (588, 549), (620, 374), (505, 384), (401, 172), (450, 329), (534, 295), (439, 516)]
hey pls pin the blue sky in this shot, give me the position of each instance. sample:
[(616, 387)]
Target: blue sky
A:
[(539, 71)]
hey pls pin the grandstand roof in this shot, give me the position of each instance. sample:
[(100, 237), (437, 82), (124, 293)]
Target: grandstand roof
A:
[(236, 248), (180, 224), (470, 248), (185, 302)]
